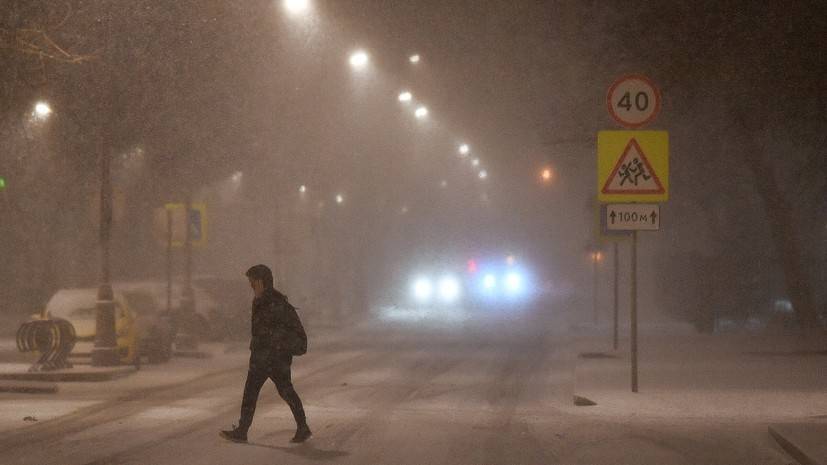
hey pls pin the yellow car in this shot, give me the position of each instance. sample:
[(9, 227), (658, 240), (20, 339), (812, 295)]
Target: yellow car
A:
[(79, 307)]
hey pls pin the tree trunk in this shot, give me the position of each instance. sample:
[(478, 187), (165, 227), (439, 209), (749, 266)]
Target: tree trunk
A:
[(785, 237)]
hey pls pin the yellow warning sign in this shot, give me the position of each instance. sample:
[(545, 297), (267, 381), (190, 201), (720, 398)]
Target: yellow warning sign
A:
[(632, 166)]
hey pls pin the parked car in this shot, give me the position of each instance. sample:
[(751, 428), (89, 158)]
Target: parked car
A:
[(139, 331), (153, 322), (79, 307), (205, 322)]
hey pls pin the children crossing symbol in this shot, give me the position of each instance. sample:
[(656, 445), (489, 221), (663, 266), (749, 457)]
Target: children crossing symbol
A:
[(633, 174)]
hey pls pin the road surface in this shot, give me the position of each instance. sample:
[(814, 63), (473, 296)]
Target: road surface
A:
[(432, 392)]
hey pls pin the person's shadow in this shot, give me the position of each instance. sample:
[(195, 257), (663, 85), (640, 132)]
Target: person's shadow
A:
[(306, 450)]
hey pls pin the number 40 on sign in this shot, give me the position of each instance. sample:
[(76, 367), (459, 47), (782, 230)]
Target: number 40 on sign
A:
[(633, 101)]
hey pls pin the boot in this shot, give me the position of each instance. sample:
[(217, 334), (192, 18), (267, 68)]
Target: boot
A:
[(303, 433), (235, 435)]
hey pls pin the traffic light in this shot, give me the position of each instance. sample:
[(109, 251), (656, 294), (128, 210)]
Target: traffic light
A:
[(2, 183)]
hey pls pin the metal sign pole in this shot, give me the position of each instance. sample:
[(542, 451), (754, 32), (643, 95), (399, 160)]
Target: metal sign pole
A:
[(633, 311), (169, 261), (594, 287), (616, 264), (633, 102)]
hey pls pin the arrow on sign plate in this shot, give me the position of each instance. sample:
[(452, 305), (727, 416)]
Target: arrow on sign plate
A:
[(632, 217)]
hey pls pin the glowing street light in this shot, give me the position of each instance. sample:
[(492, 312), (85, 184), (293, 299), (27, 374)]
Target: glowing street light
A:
[(475, 162), (405, 97), (414, 58), (42, 110), (236, 177), (546, 175), (358, 59), (483, 174), (296, 6), (302, 189), (340, 199), (464, 149), (421, 112)]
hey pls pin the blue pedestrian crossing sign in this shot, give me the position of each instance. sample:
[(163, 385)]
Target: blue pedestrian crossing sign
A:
[(196, 230), (196, 221)]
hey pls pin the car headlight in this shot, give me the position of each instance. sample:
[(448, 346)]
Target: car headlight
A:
[(422, 289), (449, 289), (513, 282), (489, 282)]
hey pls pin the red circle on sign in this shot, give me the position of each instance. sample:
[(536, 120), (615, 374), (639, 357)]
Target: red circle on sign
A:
[(616, 117)]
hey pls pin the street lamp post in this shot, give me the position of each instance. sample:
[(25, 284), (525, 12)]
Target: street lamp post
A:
[(596, 256), (105, 351), (188, 340)]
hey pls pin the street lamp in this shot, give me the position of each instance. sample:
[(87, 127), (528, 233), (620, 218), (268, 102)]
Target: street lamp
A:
[(42, 110), (340, 199), (546, 175), (302, 189), (483, 174), (414, 58), (464, 149), (405, 97), (475, 162), (358, 59), (296, 6), (421, 112)]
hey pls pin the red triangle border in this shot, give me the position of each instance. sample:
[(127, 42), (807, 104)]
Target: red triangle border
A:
[(606, 190)]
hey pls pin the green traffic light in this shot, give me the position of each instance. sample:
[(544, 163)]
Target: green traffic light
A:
[(2, 183)]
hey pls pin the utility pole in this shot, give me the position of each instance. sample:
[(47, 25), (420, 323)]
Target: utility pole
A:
[(105, 351), (594, 289), (187, 339), (169, 263), (596, 256)]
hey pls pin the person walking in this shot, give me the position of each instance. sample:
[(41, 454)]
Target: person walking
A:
[(277, 335)]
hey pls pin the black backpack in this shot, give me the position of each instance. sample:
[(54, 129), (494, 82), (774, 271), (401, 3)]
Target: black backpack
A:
[(296, 337)]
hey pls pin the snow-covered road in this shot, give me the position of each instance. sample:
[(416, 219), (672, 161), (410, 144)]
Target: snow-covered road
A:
[(382, 394)]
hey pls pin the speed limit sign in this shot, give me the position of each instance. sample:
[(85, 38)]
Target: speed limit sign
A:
[(633, 101)]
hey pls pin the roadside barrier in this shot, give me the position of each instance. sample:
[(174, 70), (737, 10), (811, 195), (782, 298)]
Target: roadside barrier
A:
[(54, 339)]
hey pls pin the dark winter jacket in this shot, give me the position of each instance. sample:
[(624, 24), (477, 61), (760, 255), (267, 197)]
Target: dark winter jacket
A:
[(275, 324)]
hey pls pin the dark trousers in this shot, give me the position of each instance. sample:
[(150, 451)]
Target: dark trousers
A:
[(276, 367)]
